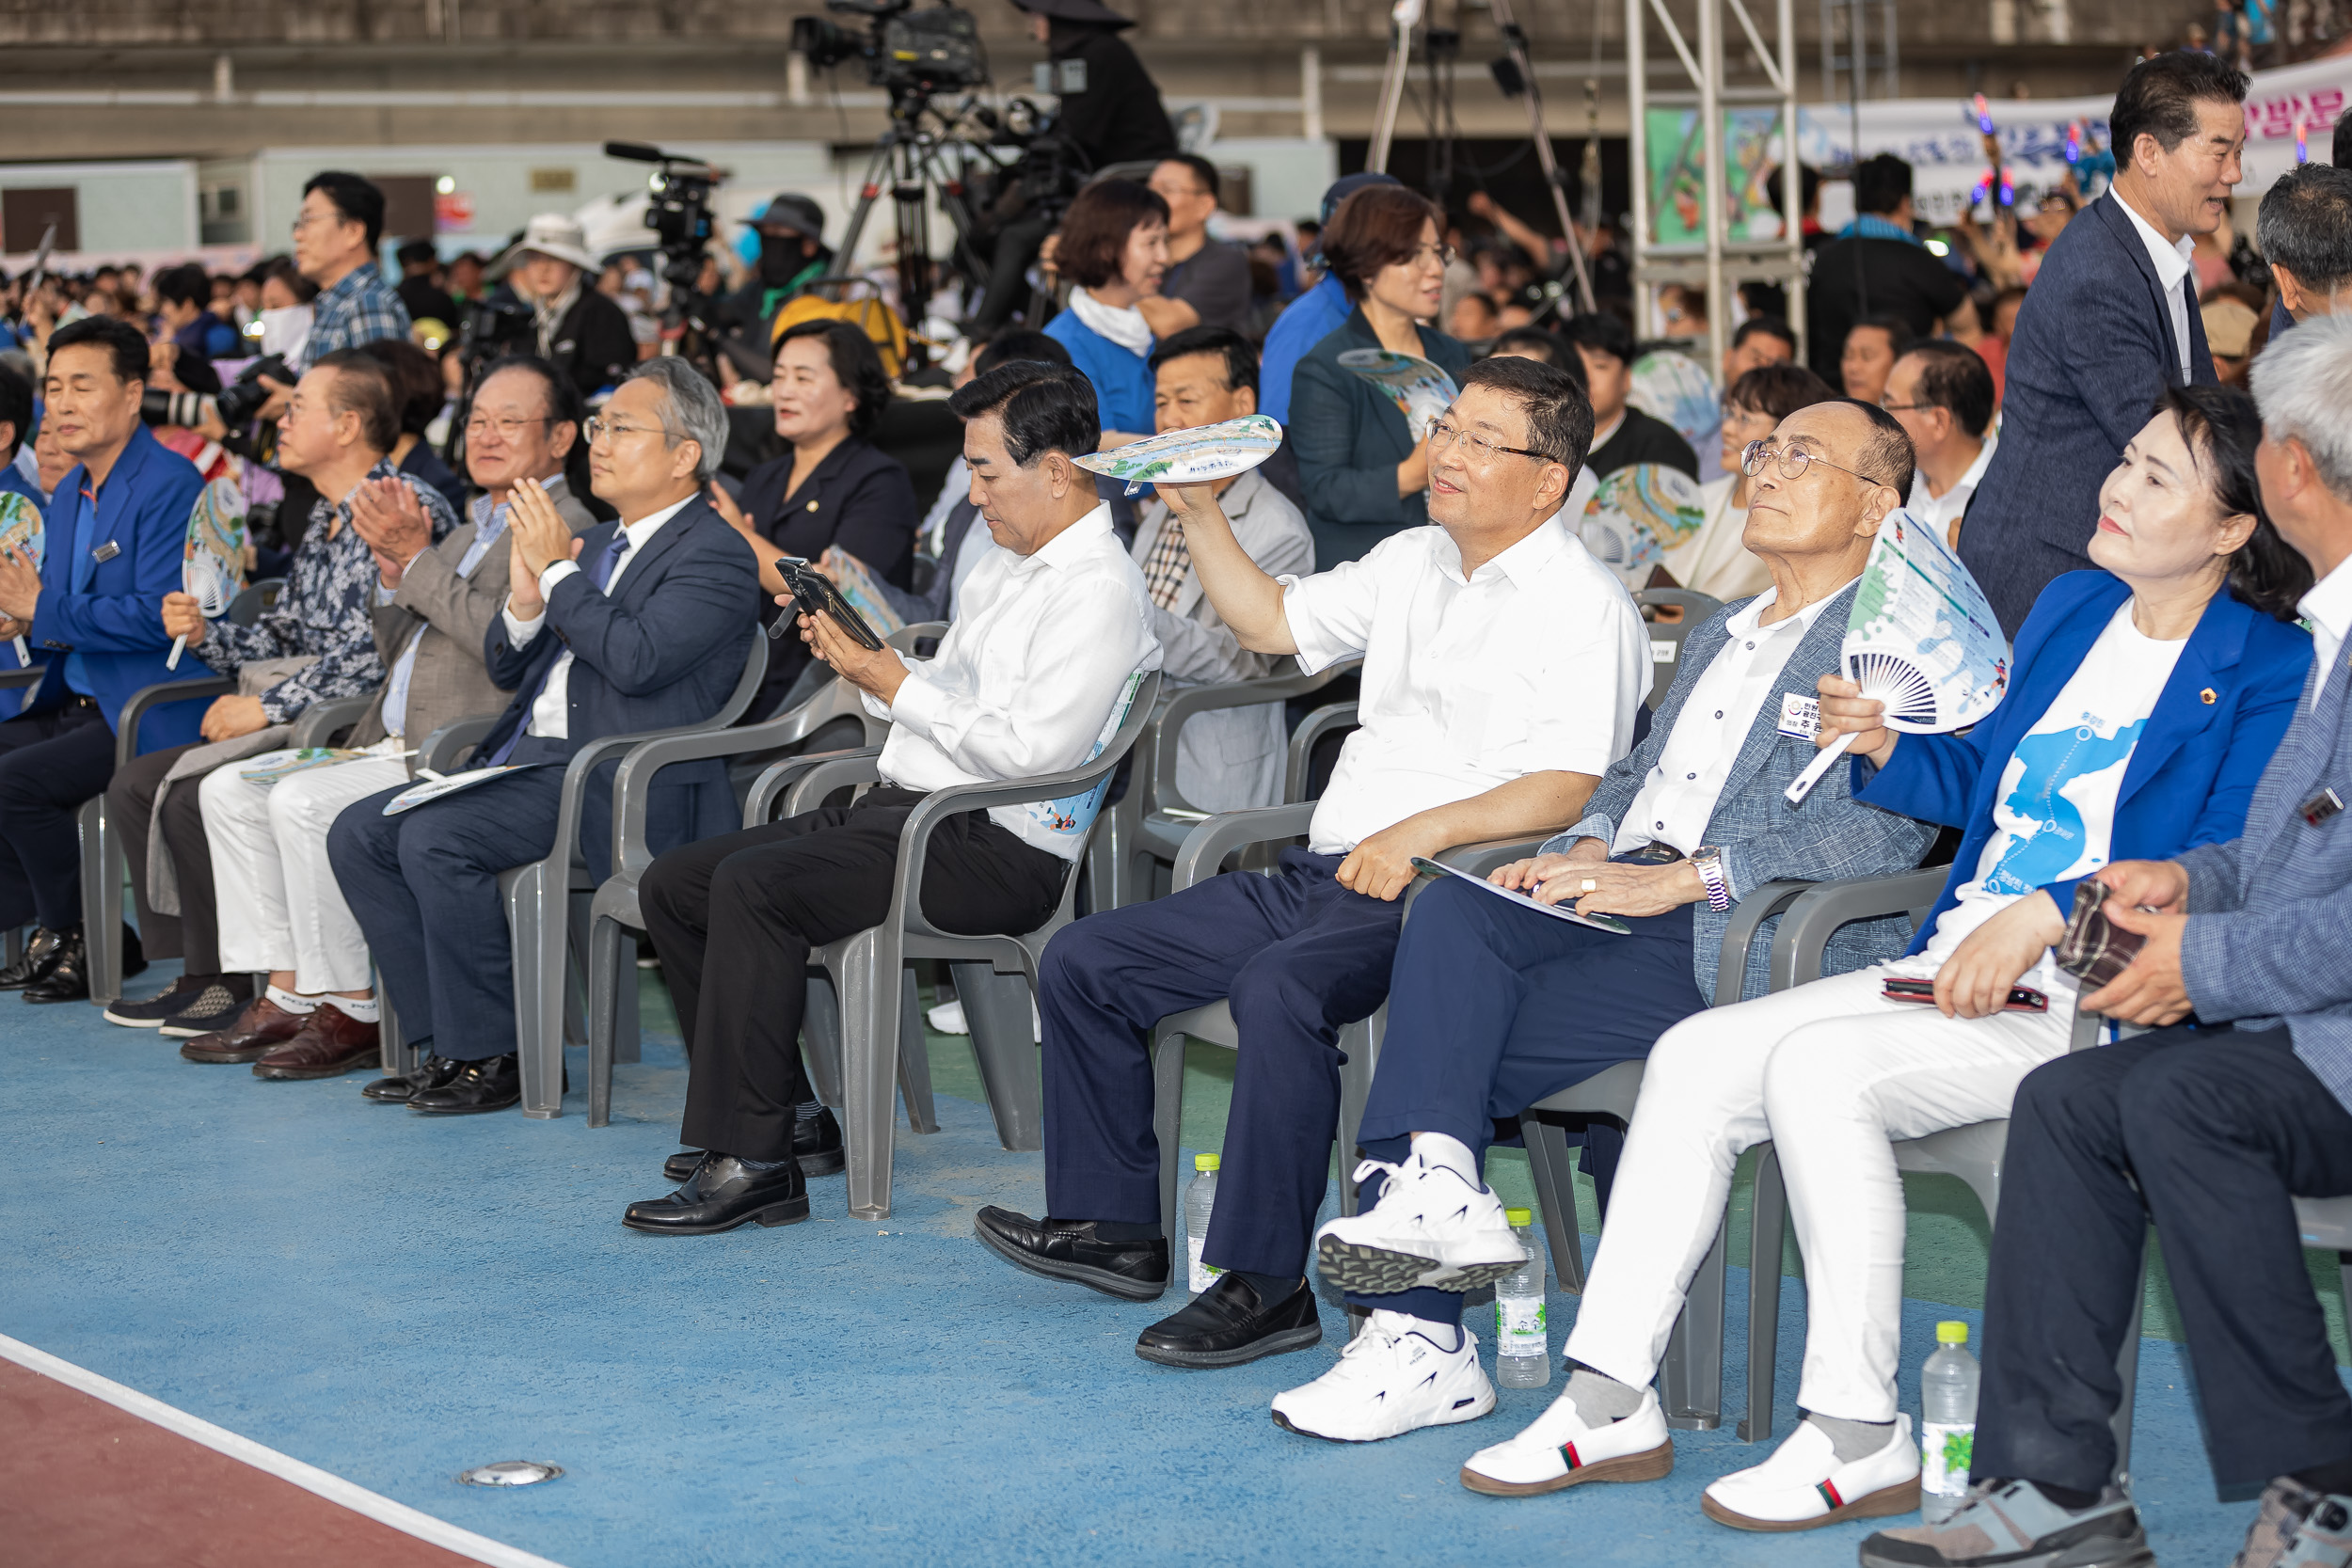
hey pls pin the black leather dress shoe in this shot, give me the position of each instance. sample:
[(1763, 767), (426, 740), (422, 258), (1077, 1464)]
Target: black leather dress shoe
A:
[(816, 1143), (493, 1083), (67, 979), (431, 1073), (40, 951), (1069, 1249), (1230, 1323), (720, 1196)]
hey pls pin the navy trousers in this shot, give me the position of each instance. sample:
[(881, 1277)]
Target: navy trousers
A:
[(1492, 1007), (424, 887), (50, 762), (2208, 1132), (1300, 956)]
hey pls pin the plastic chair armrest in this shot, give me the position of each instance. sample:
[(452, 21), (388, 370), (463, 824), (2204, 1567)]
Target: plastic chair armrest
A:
[(632, 786), (440, 752), (135, 707), (1312, 729), (1747, 918), (1821, 910), (827, 771), (1205, 847), (320, 720), (29, 676), (1180, 707)]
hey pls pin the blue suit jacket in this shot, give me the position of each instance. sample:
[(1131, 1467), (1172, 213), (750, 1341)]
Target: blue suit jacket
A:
[(1349, 438), (666, 649), (115, 619), (2213, 729), (2092, 349), (1764, 838)]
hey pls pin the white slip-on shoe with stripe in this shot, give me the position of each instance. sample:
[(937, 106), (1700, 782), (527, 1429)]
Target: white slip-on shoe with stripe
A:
[(1393, 1378), (1561, 1449), (1802, 1486)]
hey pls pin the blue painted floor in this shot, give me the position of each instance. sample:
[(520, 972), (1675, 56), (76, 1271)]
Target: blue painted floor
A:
[(394, 1298)]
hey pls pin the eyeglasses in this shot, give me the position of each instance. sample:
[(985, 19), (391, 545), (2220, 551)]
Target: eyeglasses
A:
[(508, 430), (1422, 255), (1480, 450), (602, 429), (1794, 461), (1904, 407)]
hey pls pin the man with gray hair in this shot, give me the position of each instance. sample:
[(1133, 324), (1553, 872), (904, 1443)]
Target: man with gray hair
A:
[(2304, 231), (638, 624), (2210, 1131)]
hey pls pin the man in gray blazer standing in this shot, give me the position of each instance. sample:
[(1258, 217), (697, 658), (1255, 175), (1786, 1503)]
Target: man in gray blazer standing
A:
[(2238, 1100), (280, 908), (1228, 758), (2111, 321)]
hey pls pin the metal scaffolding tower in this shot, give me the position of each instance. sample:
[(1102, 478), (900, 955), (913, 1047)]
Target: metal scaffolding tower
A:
[(1720, 262)]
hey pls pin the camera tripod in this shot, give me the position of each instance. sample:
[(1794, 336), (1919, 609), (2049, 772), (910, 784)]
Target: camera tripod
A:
[(912, 158)]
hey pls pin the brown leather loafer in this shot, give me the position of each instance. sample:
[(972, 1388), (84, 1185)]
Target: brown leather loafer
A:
[(331, 1043), (261, 1026)]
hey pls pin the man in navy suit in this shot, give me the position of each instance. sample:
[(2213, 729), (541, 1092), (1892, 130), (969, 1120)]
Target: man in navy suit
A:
[(647, 629), (2111, 320), (114, 536)]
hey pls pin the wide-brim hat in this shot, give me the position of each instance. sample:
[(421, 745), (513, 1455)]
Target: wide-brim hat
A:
[(549, 234), (790, 212), (1093, 12)]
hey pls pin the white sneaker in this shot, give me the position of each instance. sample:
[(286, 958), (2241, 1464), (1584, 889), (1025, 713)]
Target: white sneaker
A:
[(1391, 1378), (1802, 1486), (1561, 1449), (947, 1018), (1431, 1227)]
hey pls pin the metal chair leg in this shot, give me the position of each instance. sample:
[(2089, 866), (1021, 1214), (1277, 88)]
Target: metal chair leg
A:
[(1764, 1243), (997, 1008)]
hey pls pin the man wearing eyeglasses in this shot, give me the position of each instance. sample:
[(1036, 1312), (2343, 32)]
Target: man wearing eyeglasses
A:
[(280, 909), (1494, 1006), (642, 624), (1504, 667)]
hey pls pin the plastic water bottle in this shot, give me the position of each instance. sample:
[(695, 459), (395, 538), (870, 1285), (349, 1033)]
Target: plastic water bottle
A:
[(1947, 1436), (1522, 1357), (1199, 1201)]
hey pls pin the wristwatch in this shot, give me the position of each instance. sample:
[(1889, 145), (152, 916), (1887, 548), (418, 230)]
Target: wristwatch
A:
[(1708, 861)]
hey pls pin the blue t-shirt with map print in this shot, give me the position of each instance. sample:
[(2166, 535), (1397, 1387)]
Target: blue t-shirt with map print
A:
[(2056, 810)]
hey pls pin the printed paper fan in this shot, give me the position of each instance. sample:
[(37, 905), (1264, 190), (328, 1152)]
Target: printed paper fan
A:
[(212, 563), (1420, 389), (1921, 639), (1198, 456), (1637, 515), (20, 532), (1674, 387)]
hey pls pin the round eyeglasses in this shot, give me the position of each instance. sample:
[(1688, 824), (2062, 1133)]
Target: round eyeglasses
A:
[(1793, 462)]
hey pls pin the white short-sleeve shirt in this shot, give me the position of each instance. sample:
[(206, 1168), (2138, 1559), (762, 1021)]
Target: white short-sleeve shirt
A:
[(1535, 664)]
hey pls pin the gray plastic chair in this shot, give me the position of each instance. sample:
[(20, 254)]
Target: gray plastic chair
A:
[(1149, 823), (613, 915), (1667, 637), (994, 973), (1205, 850), (546, 900), (1690, 1376), (1336, 719)]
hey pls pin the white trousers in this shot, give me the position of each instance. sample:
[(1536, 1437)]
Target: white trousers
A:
[(281, 907), (1830, 1072)]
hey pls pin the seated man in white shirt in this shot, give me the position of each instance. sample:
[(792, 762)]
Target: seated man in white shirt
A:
[(1941, 392), (1226, 758), (1048, 630), (1503, 669)]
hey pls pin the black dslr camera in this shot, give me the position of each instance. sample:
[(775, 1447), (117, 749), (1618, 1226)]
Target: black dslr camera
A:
[(906, 51), (236, 404)]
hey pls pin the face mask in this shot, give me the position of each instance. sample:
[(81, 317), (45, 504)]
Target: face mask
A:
[(780, 259), (284, 328)]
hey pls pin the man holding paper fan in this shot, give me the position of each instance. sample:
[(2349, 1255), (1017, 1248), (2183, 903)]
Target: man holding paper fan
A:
[(1493, 1006), (2144, 700), (1502, 669), (114, 529)]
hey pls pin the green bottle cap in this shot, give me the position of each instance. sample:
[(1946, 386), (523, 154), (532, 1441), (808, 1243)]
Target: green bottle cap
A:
[(1208, 1162), (1520, 1217), (1951, 1334)]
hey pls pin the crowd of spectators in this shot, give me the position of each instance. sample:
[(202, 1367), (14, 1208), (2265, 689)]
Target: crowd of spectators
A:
[(573, 517)]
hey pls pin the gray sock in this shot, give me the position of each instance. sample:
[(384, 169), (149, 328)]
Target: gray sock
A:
[(1600, 1397), (1852, 1440)]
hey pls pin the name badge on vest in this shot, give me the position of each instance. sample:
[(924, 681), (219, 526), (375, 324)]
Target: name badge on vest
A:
[(2320, 807), (1800, 715)]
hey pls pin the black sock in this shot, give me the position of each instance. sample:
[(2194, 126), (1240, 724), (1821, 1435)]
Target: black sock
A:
[(1271, 1288), (2334, 1478), (1126, 1231), (806, 1109), (2066, 1497)]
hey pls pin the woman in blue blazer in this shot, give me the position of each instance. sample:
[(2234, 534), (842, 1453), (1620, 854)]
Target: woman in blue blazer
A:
[(2145, 700), (1114, 247), (1365, 475)]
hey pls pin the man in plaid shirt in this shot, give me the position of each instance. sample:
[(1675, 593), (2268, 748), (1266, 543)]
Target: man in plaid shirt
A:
[(336, 236)]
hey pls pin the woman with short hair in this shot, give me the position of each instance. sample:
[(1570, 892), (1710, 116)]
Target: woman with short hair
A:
[(1713, 561), (1113, 248)]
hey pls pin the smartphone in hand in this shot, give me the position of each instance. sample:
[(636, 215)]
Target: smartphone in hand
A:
[(814, 594), (2022, 998)]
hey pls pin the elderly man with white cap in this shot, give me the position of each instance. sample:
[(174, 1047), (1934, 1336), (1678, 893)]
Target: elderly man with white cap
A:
[(576, 329)]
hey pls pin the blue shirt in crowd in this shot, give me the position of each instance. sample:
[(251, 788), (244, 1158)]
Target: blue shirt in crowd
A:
[(1304, 323)]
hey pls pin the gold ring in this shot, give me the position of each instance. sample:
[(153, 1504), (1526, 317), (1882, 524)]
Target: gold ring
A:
[(1590, 886)]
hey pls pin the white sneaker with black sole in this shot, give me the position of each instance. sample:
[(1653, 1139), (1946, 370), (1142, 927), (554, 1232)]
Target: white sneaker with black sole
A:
[(1431, 1228), (1393, 1378)]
